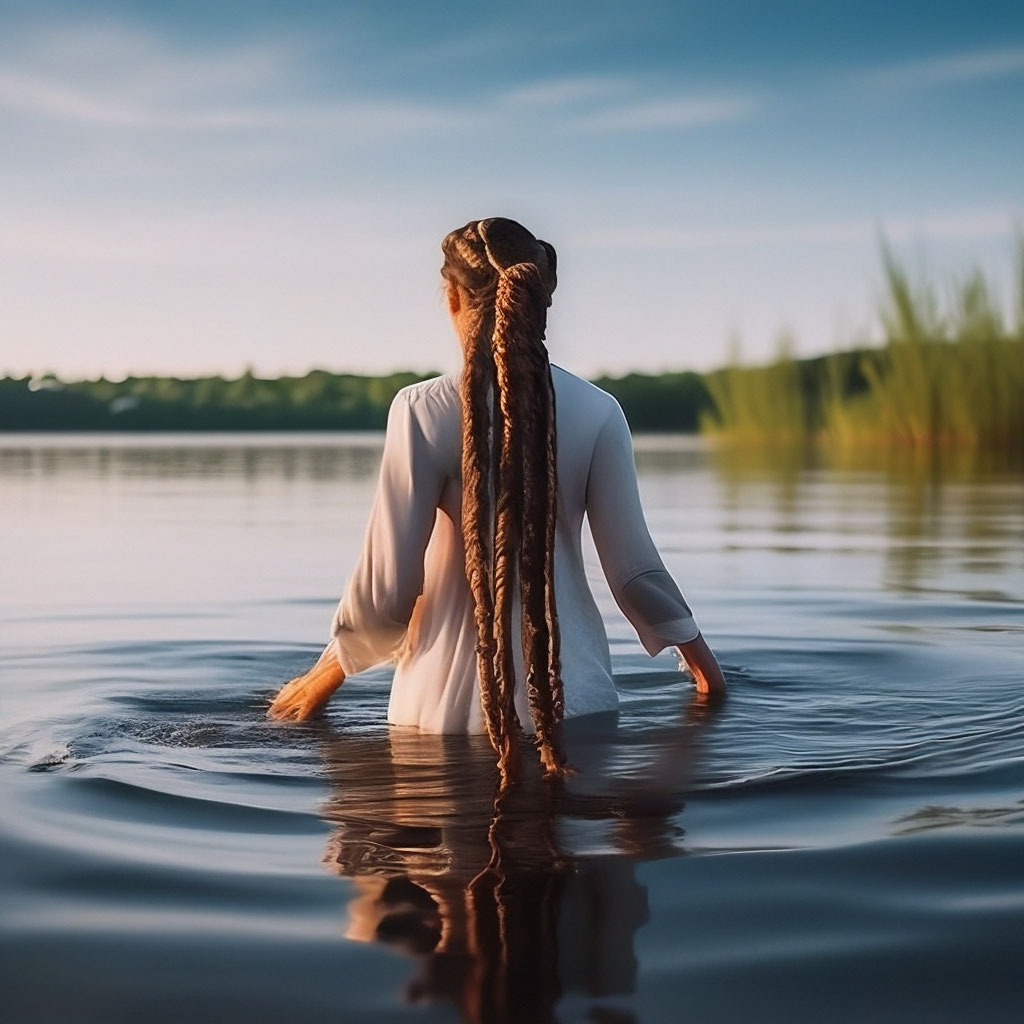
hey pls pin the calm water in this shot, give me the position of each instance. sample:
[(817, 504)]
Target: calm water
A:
[(842, 840)]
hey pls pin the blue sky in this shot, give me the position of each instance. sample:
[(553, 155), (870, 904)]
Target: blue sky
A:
[(193, 187)]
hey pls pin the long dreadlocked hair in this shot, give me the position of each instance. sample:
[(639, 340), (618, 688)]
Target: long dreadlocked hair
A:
[(505, 278)]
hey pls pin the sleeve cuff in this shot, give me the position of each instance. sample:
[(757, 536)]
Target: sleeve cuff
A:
[(669, 634), (339, 653)]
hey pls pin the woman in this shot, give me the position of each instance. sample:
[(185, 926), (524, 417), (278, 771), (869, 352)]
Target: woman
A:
[(471, 575)]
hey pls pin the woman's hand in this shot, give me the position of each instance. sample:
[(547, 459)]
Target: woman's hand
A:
[(707, 673), (304, 696)]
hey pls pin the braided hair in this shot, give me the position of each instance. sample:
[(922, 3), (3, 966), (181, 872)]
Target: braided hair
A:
[(505, 278)]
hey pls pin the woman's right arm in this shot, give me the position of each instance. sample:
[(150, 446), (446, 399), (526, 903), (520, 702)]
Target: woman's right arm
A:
[(642, 587), (303, 696), (372, 619)]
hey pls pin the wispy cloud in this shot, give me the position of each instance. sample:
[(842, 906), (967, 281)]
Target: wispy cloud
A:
[(37, 95), (550, 29), (559, 92), (126, 79), (123, 79), (614, 104), (112, 56), (672, 114), (945, 225), (949, 69)]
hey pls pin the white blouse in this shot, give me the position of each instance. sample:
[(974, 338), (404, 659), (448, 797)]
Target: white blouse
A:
[(408, 600)]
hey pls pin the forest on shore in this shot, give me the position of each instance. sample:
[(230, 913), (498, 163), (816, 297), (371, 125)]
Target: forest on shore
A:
[(318, 401), (944, 372)]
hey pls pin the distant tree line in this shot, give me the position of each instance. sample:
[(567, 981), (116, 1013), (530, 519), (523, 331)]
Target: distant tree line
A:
[(318, 401), (668, 402)]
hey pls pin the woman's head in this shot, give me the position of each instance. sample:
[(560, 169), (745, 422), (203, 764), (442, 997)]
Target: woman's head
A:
[(478, 252), (500, 280), (481, 255)]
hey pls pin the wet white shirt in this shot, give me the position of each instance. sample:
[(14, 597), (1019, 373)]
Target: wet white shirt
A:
[(408, 600)]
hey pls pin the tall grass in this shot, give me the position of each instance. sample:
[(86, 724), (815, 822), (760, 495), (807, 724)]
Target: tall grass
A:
[(758, 402), (946, 374)]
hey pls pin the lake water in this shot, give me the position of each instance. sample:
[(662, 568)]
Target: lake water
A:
[(842, 840)]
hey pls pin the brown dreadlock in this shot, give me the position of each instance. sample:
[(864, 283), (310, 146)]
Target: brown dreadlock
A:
[(505, 278)]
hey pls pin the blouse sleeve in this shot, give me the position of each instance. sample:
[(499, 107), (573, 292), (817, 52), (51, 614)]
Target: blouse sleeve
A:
[(641, 585), (373, 616)]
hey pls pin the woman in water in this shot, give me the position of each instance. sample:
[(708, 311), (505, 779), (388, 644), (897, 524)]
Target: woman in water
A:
[(471, 576)]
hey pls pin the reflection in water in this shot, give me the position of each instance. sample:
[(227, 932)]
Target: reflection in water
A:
[(937, 514), (776, 470), (935, 816), (937, 502), (507, 907), (350, 456), (944, 503)]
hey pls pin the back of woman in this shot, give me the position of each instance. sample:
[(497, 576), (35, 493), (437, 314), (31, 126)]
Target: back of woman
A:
[(436, 685), (471, 576)]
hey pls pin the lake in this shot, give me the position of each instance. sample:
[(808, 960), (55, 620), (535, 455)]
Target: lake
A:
[(842, 839)]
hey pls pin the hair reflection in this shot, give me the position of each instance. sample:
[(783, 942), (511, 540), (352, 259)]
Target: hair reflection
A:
[(507, 906)]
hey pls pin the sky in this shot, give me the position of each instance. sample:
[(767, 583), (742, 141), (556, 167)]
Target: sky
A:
[(196, 187)]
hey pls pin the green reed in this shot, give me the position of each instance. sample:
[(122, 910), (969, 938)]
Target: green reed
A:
[(947, 373), (759, 402)]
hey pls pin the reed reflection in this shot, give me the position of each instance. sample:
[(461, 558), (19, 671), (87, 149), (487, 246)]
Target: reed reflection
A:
[(935, 508), (958, 506), (507, 907)]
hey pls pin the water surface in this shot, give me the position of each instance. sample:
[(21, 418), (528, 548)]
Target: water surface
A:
[(843, 839)]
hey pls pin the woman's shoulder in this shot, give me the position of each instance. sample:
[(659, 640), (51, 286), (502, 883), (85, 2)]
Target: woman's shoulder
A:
[(430, 397), (583, 396), (434, 406), (430, 389)]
